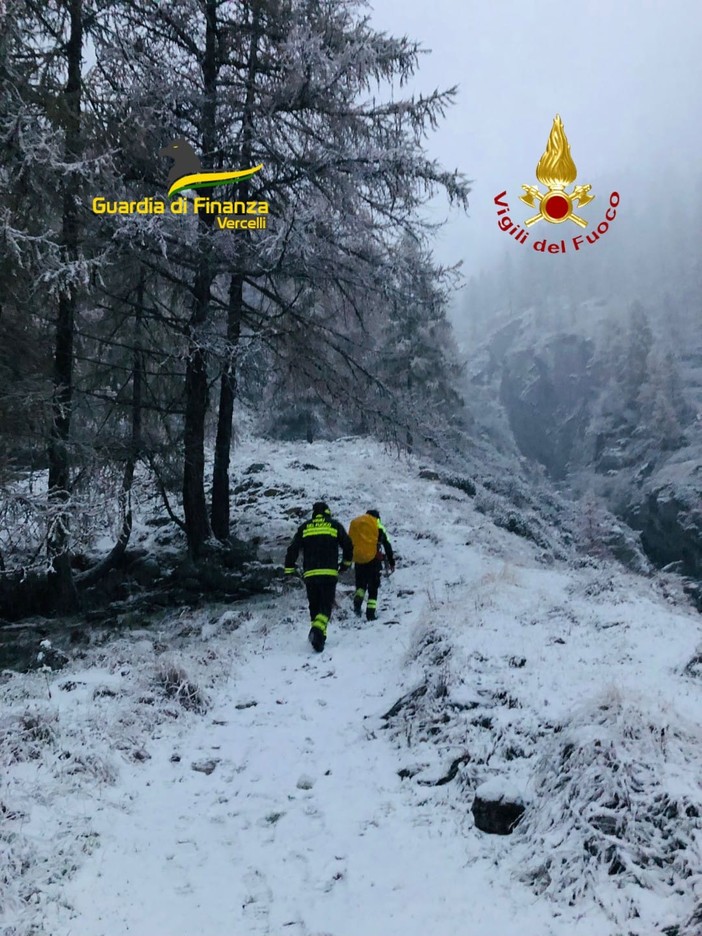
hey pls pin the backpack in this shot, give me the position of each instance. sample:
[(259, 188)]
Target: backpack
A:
[(364, 536)]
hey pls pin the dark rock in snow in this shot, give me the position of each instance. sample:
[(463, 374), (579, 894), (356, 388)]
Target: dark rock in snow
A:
[(669, 516), (497, 807), (104, 692), (157, 521), (429, 475), (306, 466), (694, 666), (131, 556), (408, 772), (249, 485), (206, 766), (145, 571), (296, 512), (693, 590)]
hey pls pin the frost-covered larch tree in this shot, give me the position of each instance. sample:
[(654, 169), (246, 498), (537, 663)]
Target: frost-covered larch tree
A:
[(309, 89), (44, 169), (417, 352)]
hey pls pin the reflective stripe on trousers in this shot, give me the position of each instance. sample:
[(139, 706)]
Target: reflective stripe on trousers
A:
[(320, 622)]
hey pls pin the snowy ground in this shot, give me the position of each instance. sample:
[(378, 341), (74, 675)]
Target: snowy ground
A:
[(304, 825)]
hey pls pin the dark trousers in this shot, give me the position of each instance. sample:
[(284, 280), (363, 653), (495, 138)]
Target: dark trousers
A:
[(321, 590), (368, 580)]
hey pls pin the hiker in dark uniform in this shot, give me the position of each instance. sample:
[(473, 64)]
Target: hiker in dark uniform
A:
[(320, 540), (370, 546)]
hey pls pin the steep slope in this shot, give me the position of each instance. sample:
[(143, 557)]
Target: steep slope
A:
[(554, 395), (212, 774)]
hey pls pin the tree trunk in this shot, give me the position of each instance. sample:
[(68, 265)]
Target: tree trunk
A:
[(58, 543), (135, 448), (227, 394), (197, 527)]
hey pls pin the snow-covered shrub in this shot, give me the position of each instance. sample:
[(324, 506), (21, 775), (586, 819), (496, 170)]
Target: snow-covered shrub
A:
[(16, 859), (430, 646), (88, 766), (523, 522), (24, 737), (616, 799), (691, 927), (176, 684), (463, 484)]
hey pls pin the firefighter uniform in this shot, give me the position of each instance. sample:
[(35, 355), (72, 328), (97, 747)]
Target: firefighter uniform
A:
[(320, 540)]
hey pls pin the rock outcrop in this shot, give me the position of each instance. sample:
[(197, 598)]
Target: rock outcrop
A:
[(497, 808)]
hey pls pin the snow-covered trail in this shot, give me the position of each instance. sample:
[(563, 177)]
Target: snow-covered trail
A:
[(304, 826)]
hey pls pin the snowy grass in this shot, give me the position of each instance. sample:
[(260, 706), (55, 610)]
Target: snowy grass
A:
[(176, 684), (490, 661), (66, 737), (616, 808), (611, 776)]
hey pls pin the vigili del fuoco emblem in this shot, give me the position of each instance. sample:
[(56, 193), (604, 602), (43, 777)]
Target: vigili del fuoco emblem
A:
[(556, 170)]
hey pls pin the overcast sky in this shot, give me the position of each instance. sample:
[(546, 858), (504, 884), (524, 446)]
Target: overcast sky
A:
[(624, 75)]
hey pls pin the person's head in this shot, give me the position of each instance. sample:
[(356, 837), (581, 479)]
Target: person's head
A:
[(321, 508), (374, 513)]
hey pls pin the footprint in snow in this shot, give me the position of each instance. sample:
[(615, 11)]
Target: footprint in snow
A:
[(258, 899), (338, 875)]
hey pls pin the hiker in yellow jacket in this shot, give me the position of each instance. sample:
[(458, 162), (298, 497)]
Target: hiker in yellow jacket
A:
[(370, 546)]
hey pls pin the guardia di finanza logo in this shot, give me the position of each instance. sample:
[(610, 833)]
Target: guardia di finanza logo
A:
[(555, 170), (187, 175)]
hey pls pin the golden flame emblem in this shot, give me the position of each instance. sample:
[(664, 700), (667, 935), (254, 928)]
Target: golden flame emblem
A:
[(556, 170)]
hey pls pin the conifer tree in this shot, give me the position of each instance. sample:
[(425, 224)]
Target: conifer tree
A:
[(290, 84), (44, 169)]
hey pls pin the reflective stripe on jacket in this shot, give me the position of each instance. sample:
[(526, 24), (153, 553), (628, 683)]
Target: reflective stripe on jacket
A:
[(320, 540)]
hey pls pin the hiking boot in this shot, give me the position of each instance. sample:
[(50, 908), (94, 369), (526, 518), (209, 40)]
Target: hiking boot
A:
[(370, 614), (317, 639), (357, 606)]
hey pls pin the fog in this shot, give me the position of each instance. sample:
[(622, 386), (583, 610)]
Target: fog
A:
[(623, 74)]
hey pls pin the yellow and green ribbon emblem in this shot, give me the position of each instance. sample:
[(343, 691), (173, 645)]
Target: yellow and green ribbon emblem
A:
[(210, 179)]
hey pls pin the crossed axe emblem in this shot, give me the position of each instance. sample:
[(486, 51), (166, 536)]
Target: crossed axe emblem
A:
[(579, 197)]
